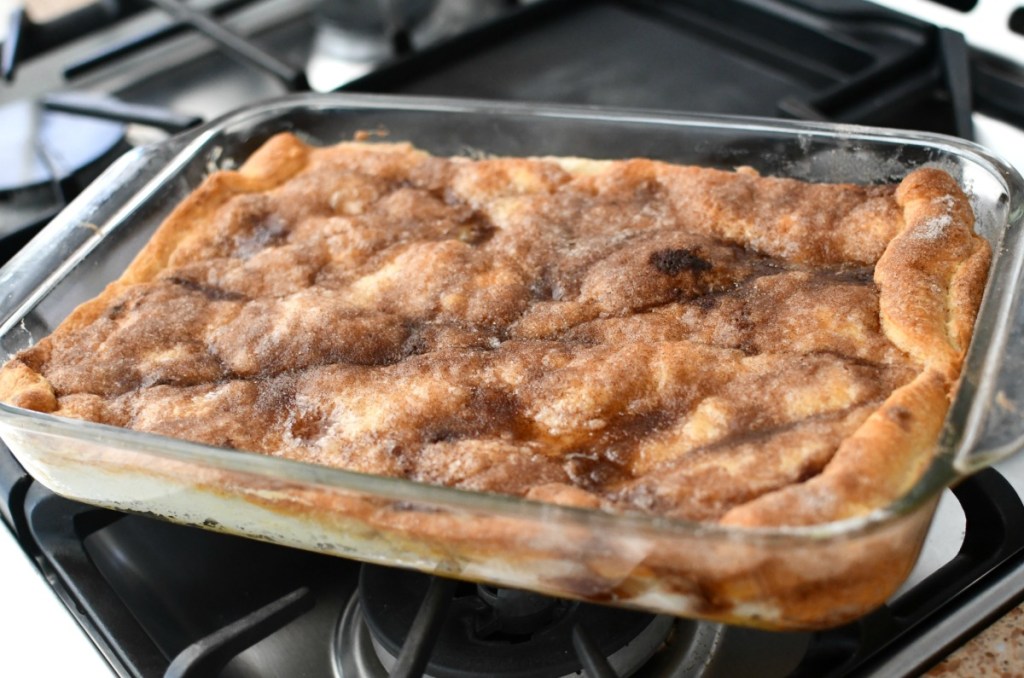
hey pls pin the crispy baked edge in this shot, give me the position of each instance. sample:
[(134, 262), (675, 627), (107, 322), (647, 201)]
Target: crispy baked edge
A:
[(930, 278), (275, 162)]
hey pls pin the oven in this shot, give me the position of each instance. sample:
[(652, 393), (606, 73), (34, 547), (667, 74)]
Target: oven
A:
[(133, 596)]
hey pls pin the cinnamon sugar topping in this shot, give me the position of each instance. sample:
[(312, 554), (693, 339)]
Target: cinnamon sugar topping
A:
[(633, 335)]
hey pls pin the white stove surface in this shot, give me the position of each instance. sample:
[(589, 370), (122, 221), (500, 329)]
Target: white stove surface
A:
[(42, 639), (986, 26)]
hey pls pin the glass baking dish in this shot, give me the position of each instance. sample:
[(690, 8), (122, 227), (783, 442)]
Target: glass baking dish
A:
[(790, 577)]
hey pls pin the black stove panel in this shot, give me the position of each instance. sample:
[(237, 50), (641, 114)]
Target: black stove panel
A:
[(590, 56), (848, 62), (164, 599)]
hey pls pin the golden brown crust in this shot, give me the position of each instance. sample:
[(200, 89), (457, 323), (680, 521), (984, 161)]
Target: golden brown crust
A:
[(22, 386), (930, 274), (627, 335), (880, 461), (274, 163), (931, 278)]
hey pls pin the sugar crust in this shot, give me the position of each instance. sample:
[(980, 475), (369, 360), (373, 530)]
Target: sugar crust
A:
[(631, 336)]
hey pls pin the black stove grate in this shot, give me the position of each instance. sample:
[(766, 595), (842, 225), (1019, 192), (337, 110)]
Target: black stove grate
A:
[(452, 629), (27, 39), (994, 540), (134, 583), (848, 61)]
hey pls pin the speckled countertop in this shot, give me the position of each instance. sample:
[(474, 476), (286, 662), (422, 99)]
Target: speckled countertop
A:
[(998, 651)]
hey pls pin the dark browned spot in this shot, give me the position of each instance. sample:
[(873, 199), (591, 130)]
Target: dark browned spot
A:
[(404, 459), (900, 416), (209, 291), (706, 303), (416, 343), (591, 472), (852, 275), (475, 230), (307, 425), (441, 435), (674, 262), (497, 405)]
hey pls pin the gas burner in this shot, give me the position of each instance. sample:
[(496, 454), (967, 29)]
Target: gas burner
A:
[(384, 17), (353, 39), (459, 629), (49, 157)]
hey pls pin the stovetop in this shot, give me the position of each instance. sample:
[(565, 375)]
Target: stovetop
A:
[(160, 599)]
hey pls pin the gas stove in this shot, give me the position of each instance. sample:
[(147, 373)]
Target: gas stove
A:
[(160, 599)]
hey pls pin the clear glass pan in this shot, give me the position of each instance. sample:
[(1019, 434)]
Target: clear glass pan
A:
[(794, 577)]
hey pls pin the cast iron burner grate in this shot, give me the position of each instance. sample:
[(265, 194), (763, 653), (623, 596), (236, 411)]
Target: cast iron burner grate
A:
[(168, 600), (403, 623)]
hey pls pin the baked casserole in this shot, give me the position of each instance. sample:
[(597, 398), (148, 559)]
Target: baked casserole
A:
[(631, 336)]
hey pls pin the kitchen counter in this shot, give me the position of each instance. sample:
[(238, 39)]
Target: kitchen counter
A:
[(996, 651)]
